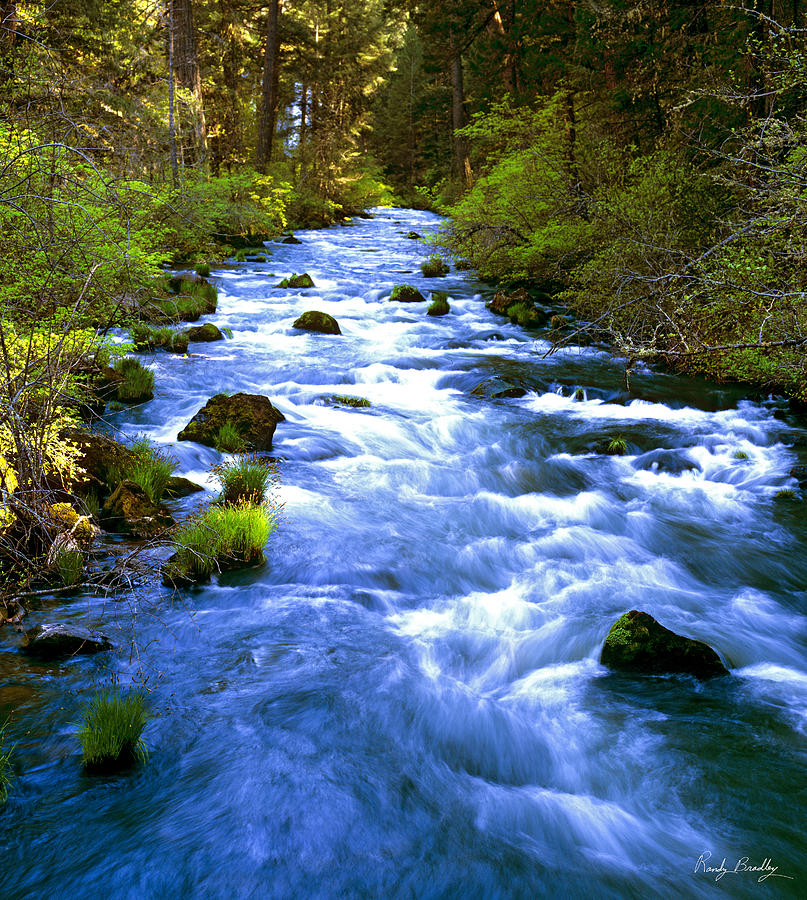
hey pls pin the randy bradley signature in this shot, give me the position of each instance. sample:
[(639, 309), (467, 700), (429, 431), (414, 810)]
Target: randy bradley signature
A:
[(764, 870)]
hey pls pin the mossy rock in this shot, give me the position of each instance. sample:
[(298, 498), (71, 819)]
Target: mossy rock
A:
[(502, 300), (463, 265), (98, 453), (128, 510), (181, 487), (313, 320), (297, 281), (406, 293), (203, 333), (637, 643), (290, 239), (439, 305), (353, 402), (251, 415), (498, 389), (434, 267), (78, 526), (258, 257), (413, 236)]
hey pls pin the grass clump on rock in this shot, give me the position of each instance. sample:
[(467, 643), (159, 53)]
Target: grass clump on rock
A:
[(138, 381), (439, 305), (229, 439), (434, 267), (202, 270), (146, 466), (246, 479), (147, 337), (111, 730), (406, 293), (222, 537), (617, 446)]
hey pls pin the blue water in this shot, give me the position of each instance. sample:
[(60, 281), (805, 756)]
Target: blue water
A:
[(407, 701)]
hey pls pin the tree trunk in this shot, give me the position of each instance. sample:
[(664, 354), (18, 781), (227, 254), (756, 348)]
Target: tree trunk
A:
[(186, 70), (172, 134), (462, 161), (8, 23), (268, 107)]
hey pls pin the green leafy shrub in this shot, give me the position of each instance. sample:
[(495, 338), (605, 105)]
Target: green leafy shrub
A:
[(246, 479), (111, 730), (433, 267), (6, 770), (147, 466), (229, 439), (138, 384)]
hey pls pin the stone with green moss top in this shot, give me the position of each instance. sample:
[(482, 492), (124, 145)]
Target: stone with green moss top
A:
[(439, 305), (406, 293), (314, 320), (637, 643), (297, 281)]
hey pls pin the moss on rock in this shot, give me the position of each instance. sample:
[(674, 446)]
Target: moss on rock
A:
[(406, 293), (638, 643), (314, 320)]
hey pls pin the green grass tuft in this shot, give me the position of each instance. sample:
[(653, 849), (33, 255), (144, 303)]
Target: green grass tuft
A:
[(148, 466), (617, 446), (69, 565), (111, 730), (739, 454), (246, 479), (203, 270), (785, 494), (221, 537), (229, 439), (138, 381)]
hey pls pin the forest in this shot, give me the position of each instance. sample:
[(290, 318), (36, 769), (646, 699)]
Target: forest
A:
[(622, 185)]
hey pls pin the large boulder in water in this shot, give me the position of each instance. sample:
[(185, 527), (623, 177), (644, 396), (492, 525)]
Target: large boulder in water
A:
[(297, 281), (314, 320), (59, 641), (251, 415), (638, 643), (204, 333), (128, 510)]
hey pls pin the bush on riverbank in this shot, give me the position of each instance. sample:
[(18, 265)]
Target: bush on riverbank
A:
[(138, 381), (111, 730)]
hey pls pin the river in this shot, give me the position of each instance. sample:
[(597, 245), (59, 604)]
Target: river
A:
[(406, 701)]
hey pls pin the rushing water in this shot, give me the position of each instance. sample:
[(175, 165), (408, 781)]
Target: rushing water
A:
[(407, 701)]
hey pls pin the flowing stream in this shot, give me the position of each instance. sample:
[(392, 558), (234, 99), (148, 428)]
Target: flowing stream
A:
[(407, 700)]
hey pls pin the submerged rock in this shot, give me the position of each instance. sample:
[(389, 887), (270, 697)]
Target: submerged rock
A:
[(251, 415), (314, 320), (204, 333), (406, 293), (58, 641), (128, 510), (638, 643), (498, 389)]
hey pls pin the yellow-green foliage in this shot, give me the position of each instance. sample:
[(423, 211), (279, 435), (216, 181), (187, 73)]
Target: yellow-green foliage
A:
[(6, 771)]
